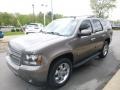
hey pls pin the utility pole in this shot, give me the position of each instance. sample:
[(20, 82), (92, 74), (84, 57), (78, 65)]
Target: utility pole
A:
[(33, 6), (44, 17), (18, 21), (51, 10)]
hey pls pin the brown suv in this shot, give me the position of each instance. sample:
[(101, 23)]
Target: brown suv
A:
[(50, 55)]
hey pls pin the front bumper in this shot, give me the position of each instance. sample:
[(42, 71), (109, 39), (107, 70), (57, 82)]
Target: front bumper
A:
[(32, 74)]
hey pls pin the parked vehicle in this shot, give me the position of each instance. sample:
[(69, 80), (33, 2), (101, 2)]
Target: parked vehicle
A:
[(1, 34), (33, 28), (65, 43)]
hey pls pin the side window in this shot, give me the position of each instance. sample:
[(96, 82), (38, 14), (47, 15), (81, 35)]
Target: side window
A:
[(97, 25), (87, 22), (106, 24)]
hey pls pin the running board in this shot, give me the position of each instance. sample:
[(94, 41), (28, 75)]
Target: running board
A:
[(86, 60)]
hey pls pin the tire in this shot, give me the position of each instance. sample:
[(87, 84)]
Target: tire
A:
[(59, 73), (105, 50)]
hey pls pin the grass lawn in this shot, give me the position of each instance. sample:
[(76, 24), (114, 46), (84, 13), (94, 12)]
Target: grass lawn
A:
[(13, 33)]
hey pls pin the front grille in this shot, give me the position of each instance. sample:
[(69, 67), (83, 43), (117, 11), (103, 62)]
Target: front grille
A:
[(15, 55)]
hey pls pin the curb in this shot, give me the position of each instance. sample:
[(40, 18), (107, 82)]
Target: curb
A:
[(114, 83)]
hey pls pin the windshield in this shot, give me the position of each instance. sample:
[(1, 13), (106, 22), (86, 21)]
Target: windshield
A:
[(63, 27)]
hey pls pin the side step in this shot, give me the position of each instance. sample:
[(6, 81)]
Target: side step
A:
[(86, 60)]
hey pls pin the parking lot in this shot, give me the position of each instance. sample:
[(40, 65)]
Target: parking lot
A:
[(92, 76)]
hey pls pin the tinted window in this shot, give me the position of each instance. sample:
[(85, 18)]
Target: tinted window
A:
[(97, 25), (88, 23)]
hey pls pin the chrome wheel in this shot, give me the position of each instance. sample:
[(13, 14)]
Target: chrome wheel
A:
[(105, 49), (62, 73)]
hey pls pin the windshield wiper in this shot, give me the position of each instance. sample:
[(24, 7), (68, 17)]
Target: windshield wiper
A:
[(55, 33)]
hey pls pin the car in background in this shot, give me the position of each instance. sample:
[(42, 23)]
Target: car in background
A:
[(1, 34), (33, 28)]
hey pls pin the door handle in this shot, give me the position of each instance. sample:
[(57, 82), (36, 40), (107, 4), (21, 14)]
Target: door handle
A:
[(103, 35), (92, 39)]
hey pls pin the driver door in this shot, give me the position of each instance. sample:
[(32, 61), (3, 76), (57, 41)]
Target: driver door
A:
[(83, 45)]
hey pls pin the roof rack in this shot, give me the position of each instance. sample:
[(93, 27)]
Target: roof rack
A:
[(85, 16), (70, 16), (92, 16)]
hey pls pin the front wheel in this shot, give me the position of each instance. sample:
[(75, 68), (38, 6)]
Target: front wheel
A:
[(104, 51), (60, 72)]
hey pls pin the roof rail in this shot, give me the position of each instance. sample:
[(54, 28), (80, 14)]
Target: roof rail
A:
[(92, 16), (85, 16), (70, 16)]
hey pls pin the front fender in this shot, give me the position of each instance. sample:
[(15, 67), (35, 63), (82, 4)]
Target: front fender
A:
[(55, 55), (56, 51)]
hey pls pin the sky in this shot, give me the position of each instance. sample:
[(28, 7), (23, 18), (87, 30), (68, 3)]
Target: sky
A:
[(65, 7)]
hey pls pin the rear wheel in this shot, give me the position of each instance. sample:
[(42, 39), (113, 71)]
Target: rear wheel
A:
[(60, 72), (105, 49)]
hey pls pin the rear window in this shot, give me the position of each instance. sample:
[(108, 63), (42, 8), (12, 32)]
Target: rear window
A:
[(32, 25)]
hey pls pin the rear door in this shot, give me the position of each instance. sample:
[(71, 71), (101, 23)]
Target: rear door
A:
[(98, 34)]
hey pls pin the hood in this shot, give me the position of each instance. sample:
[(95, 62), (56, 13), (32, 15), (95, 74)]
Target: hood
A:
[(34, 41)]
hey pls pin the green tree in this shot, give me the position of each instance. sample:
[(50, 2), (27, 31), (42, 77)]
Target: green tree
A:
[(5, 18), (39, 18), (12, 19), (101, 8), (57, 16), (25, 19)]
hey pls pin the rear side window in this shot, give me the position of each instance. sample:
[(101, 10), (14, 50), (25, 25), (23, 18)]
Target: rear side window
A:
[(106, 24), (97, 25)]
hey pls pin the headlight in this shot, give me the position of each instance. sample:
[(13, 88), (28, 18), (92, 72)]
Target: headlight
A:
[(31, 57), (33, 60)]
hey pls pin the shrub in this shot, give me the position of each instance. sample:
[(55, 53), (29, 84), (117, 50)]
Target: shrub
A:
[(12, 30), (21, 30), (17, 30)]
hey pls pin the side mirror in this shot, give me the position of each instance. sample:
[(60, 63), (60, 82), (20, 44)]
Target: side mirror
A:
[(84, 32), (84, 26)]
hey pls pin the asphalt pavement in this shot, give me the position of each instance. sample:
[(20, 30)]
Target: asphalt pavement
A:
[(92, 76)]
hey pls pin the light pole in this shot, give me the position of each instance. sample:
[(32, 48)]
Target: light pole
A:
[(51, 10), (33, 12), (44, 6)]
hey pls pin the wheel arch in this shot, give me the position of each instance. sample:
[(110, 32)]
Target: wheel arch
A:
[(108, 40), (68, 55)]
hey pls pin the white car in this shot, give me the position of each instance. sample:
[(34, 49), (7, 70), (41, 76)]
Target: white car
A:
[(33, 28)]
